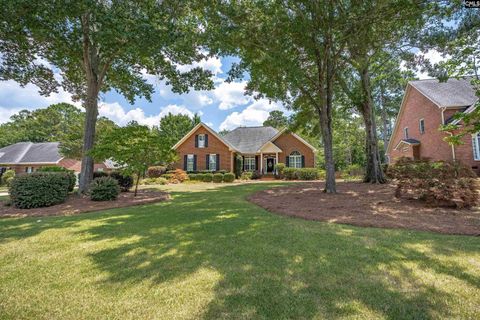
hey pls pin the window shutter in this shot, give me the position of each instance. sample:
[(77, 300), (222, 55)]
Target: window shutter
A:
[(207, 162), (287, 161), (243, 163), (196, 141), (194, 162), (256, 162), (206, 140), (218, 162), (303, 161), (185, 162)]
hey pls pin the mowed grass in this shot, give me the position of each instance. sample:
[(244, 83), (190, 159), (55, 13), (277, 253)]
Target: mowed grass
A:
[(210, 254)]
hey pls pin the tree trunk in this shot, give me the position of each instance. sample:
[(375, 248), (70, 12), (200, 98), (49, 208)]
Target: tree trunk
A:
[(330, 185), (384, 119), (373, 170), (136, 184), (91, 108)]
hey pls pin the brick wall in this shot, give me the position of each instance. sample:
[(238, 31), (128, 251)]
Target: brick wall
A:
[(215, 146), (288, 143)]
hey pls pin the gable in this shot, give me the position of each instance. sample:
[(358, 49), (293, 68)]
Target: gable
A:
[(202, 128)]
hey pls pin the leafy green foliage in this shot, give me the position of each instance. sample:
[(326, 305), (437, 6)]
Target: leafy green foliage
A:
[(228, 177), (276, 119), (174, 127), (303, 174), (218, 177), (7, 177), (104, 189), (125, 182), (72, 178), (246, 175), (238, 165), (156, 171), (39, 189), (207, 177)]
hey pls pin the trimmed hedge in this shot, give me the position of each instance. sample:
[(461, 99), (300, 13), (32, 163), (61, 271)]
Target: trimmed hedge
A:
[(125, 182), (302, 173), (246, 175), (104, 189), (228, 177), (70, 173), (156, 171), (208, 177), (218, 177), (39, 189), (150, 181)]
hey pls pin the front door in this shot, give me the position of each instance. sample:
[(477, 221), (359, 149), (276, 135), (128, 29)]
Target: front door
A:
[(270, 165)]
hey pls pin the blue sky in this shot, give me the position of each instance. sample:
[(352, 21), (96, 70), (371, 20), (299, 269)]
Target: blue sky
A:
[(225, 107)]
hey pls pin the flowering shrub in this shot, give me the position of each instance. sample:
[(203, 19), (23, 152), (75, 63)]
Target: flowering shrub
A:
[(441, 183)]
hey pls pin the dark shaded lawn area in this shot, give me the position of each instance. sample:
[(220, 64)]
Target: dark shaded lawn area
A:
[(213, 255)]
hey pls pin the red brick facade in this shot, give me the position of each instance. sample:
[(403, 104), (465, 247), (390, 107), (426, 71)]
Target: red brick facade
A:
[(415, 107), (69, 164), (286, 142)]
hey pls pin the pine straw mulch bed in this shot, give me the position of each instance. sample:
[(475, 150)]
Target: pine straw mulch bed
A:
[(366, 205), (78, 204)]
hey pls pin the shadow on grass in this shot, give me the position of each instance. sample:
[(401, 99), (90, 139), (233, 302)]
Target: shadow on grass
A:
[(274, 267)]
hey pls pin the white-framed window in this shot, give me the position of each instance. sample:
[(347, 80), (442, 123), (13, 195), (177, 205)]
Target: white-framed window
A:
[(476, 146), (405, 132), (295, 160), (28, 169), (190, 160), (212, 162), (249, 164), (201, 141), (421, 125)]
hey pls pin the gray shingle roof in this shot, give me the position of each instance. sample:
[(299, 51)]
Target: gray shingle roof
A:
[(249, 139), (453, 93), (28, 152)]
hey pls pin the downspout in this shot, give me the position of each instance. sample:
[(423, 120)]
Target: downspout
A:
[(451, 134)]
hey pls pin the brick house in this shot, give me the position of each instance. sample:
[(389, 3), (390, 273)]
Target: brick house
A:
[(26, 157), (426, 105), (261, 148)]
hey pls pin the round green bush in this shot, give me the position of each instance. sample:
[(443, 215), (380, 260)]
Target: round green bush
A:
[(228, 177), (192, 176), (208, 177), (7, 177), (308, 174), (104, 189), (218, 177), (200, 176), (39, 189), (125, 182), (70, 174), (246, 175)]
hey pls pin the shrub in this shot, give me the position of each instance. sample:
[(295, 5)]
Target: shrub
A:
[(246, 175), (7, 177), (308, 174), (279, 167), (156, 171), (291, 173), (355, 170), (208, 177), (439, 183), (151, 181), (200, 176), (256, 175), (72, 178), (178, 176), (228, 177), (221, 171), (218, 177), (104, 189), (99, 174), (125, 182), (39, 189), (192, 176), (238, 165)]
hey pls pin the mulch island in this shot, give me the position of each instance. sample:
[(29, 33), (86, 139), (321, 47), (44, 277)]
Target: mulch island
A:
[(366, 205), (77, 204)]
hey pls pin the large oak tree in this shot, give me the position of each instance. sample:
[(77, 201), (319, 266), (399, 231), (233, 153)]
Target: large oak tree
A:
[(89, 47)]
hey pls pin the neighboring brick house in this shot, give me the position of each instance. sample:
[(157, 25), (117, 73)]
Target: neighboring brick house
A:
[(27, 157), (261, 148), (426, 105)]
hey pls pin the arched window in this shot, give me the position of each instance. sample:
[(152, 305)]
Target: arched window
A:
[(295, 160)]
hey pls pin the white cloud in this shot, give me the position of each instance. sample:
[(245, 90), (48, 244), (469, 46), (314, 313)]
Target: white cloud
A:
[(116, 113), (212, 64), (231, 95), (252, 115), (5, 114)]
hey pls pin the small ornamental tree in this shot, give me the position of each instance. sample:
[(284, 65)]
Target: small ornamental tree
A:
[(133, 147)]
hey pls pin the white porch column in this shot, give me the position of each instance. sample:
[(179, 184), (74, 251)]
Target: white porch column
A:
[(276, 161), (261, 163)]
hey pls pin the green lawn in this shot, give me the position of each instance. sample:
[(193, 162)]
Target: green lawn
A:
[(211, 254)]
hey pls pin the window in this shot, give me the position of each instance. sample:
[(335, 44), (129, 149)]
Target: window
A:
[(295, 160), (405, 132), (99, 169), (28, 169), (201, 141), (249, 164), (422, 126), (190, 160), (212, 162), (476, 146)]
